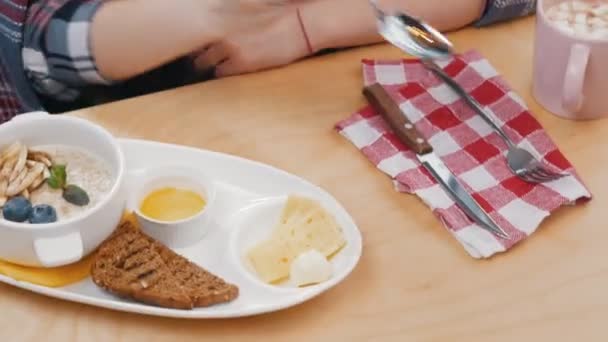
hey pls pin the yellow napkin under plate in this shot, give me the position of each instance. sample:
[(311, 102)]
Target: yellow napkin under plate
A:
[(50, 277), (57, 276)]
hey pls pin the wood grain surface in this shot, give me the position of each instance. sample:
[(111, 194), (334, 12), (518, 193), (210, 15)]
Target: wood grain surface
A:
[(414, 281)]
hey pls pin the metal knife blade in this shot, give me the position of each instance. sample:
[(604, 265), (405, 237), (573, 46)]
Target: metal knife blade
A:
[(407, 133), (459, 194)]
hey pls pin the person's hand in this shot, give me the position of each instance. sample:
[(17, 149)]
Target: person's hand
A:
[(278, 43)]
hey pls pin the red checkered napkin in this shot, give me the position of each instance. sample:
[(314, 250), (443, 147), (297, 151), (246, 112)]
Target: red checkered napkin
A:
[(467, 145)]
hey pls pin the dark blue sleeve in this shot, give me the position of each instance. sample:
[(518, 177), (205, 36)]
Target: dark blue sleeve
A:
[(503, 10)]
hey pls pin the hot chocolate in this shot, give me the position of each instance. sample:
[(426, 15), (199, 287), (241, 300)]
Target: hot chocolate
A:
[(584, 19)]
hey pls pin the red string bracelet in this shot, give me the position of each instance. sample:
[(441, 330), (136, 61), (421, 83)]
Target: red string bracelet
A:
[(304, 33)]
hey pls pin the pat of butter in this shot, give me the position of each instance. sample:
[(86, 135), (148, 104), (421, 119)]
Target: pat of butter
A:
[(310, 268)]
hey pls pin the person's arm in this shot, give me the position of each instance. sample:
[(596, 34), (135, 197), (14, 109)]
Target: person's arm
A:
[(130, 37), (327, 24), (333, 24), (345, 23), (70, 44), (80, 42)]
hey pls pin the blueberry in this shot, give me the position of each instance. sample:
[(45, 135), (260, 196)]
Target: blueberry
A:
[(17, 209), (43, 213)]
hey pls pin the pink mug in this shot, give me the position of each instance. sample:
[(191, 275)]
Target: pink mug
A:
[(570, 73)]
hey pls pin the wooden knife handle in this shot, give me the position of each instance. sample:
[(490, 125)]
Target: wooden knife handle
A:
[(384, 104)]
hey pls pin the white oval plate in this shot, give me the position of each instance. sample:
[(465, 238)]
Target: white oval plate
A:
[(250, 197)]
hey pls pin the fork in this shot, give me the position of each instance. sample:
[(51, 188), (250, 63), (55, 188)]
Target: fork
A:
[(521, 162)]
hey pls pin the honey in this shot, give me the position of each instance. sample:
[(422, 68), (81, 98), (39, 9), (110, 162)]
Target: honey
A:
[(172, 204)]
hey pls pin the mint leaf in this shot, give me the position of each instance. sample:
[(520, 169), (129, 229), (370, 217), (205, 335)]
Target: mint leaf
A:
[(75, 195), (58, 177)]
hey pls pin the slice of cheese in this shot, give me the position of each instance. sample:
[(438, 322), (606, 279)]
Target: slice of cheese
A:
[(313, 231), (271, 259), (304, 226), (297, 206)]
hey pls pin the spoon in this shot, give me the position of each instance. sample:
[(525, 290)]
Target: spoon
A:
[(413, 36), (419, 39)]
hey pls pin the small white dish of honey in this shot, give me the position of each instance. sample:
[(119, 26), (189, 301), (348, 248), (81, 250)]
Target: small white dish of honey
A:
[(174, 204)]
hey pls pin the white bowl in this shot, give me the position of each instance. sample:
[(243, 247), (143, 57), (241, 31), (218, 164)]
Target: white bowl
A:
[(68, 240), (180, 233)]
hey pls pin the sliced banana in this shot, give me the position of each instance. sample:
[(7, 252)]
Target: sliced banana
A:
[(20, 164), (14, 186), (26, 180), (36, 183), (8, 166), (22, 171), (3, 186), (41, 157), (11, 151)]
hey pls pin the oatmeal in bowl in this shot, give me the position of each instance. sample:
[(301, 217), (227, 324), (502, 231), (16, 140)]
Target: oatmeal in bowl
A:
[(61, 189), (57, 181)]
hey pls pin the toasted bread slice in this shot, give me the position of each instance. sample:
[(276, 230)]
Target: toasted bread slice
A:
[(127, 265), (203, 287), (131, 264)]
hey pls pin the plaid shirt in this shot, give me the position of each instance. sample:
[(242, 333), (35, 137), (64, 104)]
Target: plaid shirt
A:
[(45, 52), (56, 52)]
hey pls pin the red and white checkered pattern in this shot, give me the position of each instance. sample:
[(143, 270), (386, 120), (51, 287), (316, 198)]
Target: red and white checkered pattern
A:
[(468, 147)]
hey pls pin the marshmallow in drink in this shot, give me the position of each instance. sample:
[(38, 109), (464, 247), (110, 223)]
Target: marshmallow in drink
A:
[(564, 6), (555, 14), (564, 25), (581, 29), (580, 18), (579, 6), (600, 10), (598, 22)]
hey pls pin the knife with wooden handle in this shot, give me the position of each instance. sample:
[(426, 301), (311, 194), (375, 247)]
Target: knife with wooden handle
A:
[(383, 104)]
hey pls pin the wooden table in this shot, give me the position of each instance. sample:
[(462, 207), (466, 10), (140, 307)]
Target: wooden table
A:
[(414, 281)]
